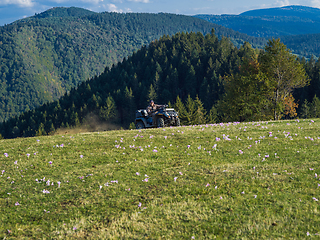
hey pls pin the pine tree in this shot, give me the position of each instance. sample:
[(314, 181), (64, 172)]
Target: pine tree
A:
[(15, 131), (108, 112), (191, 111), (315, 107), (213, 115), (152, 95), (305, 109), (205, 93), (166, 91), (41, 131), (201, 113), (52, 129), (93, 103), (128, 107), (75, 121), (180, 108), (191, 81), (156, 82)]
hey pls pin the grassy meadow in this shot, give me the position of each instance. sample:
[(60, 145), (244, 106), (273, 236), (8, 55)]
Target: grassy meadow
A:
[(253, 180)]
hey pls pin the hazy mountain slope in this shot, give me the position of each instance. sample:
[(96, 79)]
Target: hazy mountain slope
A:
[(287, 11), (43, 56), (290, 20)]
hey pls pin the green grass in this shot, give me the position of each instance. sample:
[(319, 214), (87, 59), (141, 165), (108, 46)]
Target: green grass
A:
[(252, 185)]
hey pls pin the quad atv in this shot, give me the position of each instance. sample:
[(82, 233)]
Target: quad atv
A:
[(164, 117)]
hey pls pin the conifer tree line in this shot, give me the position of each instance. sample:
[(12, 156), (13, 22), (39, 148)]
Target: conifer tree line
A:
[(206, 79)]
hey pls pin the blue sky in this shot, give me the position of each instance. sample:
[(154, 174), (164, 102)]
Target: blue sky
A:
[(11, 10)]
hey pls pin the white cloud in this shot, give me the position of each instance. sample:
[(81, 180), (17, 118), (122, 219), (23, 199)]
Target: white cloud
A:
[(139, 1), (114, 8), (20, 3), (283, 3), (57, 1), (92, 1), (315, 3)]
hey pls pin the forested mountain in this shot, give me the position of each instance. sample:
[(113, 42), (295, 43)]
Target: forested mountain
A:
[(186, 70), (273, 22), (182, 65), (44, 56), (61, 12)]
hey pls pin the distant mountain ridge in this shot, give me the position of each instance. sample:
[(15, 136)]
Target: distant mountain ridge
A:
[(64, 12), (272, 22), (287, 11)]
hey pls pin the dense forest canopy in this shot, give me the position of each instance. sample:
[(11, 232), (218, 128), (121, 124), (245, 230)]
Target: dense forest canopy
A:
[(263, 87), (187, 70), (44, 56)]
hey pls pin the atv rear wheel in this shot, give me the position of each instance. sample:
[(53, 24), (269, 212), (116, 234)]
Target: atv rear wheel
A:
[(160, 122), (139, 125)]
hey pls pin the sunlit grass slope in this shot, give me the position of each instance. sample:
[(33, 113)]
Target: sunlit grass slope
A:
[(238, 180)]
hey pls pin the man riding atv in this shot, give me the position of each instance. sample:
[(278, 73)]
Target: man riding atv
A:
[(152, 111), (156, 116)]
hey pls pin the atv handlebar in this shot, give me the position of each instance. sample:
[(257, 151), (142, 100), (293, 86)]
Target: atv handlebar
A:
[(161, 106)]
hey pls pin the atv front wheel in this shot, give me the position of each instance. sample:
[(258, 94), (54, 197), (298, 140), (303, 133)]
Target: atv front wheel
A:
[(139, 125), (160, 122), (178, 122)]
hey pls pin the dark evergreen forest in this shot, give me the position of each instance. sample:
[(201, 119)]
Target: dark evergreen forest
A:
[(186, 70)]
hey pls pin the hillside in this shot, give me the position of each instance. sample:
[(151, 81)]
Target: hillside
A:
[(46, 55), (273, 22), (255, 180), (187, 71), (307, 45)]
